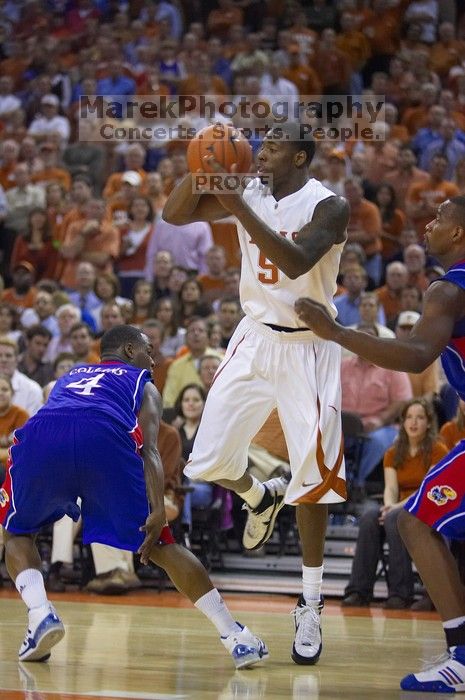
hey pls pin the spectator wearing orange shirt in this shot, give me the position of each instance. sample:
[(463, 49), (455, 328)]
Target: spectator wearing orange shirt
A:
[(393, 219), (415, 118), (50, 171), (331, 65), (35, 245), (17, 62), (381, 154), (219, 21), (397, 132), (405, 174), (213, 280), (302, 75), (23, 293), (9, 155), (305, 38), (454, 430), (365, 227), (398, 82), (424, 198), (390, 293), (92, 240), (356, 47), (118, 207), (134, 159), (81, 194), (448, 51)]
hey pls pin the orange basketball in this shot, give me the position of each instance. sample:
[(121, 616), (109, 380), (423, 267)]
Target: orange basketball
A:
[(226, 144)]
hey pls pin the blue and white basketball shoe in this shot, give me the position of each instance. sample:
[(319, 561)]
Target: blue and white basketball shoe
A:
[(45, 629), (245, 648)]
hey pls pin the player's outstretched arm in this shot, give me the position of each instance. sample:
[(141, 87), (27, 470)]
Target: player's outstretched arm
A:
[(149, 421), (185, 207), (442, 306)]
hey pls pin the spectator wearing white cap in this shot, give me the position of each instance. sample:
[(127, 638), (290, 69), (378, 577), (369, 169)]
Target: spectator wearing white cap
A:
[(425, 384), (48, 123), (119, 205), (133, 159)]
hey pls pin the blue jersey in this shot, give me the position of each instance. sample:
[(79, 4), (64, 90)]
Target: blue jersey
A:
[(114, 390), (453, 357)]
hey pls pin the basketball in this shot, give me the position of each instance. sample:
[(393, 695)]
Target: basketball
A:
[(225, 143)]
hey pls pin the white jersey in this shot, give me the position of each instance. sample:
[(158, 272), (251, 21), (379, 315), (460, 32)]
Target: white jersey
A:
[(267, 294)]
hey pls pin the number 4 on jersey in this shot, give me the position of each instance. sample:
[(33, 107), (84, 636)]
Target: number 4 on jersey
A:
[(84, 386)]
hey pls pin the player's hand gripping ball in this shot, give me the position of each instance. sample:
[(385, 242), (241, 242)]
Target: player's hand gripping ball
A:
[(226, 144)]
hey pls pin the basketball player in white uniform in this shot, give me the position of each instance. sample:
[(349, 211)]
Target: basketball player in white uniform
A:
[(291, 237)]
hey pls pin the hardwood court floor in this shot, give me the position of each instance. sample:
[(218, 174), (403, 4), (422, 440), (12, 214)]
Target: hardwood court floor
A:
[(150, 646)]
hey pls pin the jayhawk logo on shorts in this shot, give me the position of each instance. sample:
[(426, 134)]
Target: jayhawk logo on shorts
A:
[(441, 494), (4, 498)]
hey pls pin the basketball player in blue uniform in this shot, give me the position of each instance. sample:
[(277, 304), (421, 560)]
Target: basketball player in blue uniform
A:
[(438, 507), (96, 438)]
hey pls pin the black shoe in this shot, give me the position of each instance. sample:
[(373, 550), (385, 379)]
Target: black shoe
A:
[(395, 602), (355, 600), (423, 604), (54, 583)]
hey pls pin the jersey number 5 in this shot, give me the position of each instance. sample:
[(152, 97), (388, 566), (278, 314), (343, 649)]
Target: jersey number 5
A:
[(270, 272), (84, 386)]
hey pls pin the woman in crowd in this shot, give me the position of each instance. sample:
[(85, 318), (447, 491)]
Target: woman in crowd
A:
[(36, 246), (189, 407), (393, 219), (141, 302), (135, 237), (9, 322), (190, 302), (416, 449), (107, 289), (215, 335), (173, 335), (11, 417), (57, 206)]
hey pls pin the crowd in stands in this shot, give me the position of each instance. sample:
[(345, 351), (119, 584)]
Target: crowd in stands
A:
[(84, 247)]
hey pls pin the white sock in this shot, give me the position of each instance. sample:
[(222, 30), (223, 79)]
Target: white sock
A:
[(213, 606), (30, 586), (312, 578), (254, 495), (455, 622)]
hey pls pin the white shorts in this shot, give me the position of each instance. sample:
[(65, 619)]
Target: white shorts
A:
[(300, 375)]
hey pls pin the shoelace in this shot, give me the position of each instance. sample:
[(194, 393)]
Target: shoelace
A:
[(430, 664), (307, 621)]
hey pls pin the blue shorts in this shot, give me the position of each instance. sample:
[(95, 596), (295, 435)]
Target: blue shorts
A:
[(440, 500), (57, 458)]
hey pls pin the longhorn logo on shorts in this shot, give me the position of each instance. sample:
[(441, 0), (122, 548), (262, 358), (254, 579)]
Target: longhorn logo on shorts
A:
[(441, 494), (4, 498)]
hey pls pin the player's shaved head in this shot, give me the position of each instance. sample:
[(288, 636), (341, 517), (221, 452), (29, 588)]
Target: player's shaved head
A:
[(296, 135), (117, 337), (456, 212)]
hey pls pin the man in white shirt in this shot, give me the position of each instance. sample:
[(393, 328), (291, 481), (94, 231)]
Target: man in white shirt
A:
[(272, 84), (48, 123), (9, 103), (22, 199), (26, 392)]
